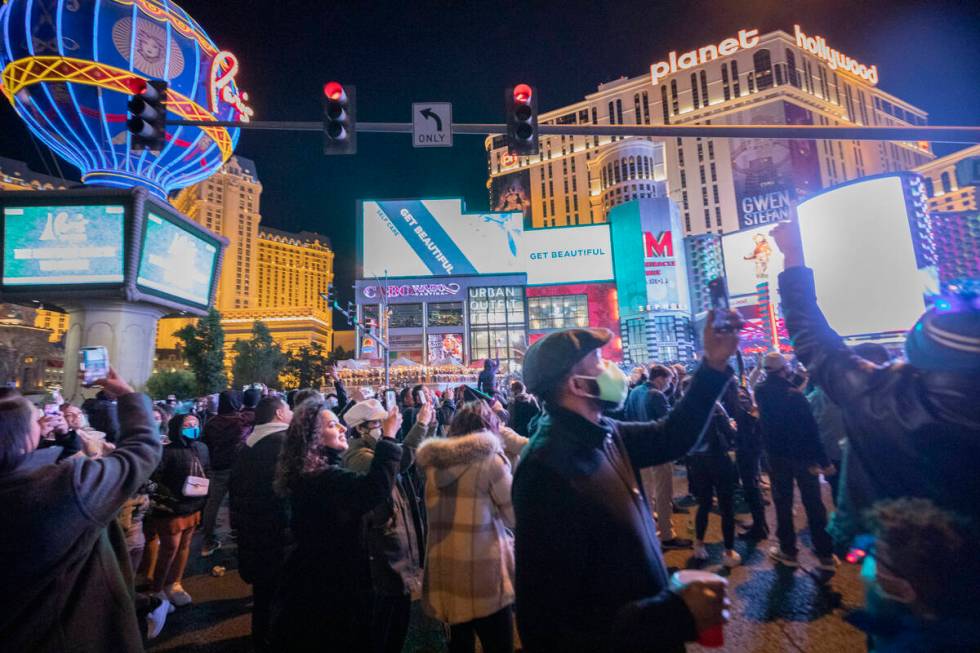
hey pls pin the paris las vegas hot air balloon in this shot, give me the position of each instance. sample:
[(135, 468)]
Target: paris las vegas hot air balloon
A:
[(69, 67)]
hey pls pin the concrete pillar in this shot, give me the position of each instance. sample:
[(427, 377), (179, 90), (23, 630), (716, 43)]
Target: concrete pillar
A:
[(127, 330)]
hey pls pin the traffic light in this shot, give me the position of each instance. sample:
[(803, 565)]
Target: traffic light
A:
[(339, 119), (522, 120), (331, 296), (147, 113)]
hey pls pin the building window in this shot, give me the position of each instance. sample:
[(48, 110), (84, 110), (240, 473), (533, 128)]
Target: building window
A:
[(735, 86), (694, 91), (646, 108), (663, 104), (619, 112), (612, 116), (930, 188), (726, 89), (762, 62), (447, 314), (405, 316), (704, 88), (794, 77), (636, 108), (559, 312), (947, 185), (675, 102)]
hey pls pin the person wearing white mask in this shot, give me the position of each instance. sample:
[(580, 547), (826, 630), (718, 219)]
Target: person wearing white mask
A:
[(395, 530)]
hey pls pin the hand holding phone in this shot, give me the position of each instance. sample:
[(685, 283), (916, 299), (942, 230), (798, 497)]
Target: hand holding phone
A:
[(718, 291), (93, 364), (391, 399)]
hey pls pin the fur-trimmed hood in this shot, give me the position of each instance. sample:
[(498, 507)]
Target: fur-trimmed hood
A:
[(450, 457)]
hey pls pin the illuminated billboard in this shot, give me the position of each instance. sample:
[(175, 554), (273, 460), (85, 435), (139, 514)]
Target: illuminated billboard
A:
[(650, 263), (417, 238), (175, 261), (871, 272), (63, 245), (751, 258)]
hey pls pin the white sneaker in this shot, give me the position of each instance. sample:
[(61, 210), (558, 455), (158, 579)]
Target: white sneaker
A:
[(178, 596), (700, 551), (731, 558), (158, 617)]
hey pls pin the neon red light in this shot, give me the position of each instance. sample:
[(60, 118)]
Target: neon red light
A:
[(137, 86), (333, 90), (522, 93)]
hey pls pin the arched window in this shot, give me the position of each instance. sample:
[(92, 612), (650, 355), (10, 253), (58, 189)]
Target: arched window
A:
[(947, 186), (930, 188), (794, 77), (622, 164), (762, 61), (632, 167), (616, 173)]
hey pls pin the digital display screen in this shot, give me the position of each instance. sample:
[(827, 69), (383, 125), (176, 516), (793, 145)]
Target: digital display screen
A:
[(417, 238), (63, 245), (858, 241), (176, 262)]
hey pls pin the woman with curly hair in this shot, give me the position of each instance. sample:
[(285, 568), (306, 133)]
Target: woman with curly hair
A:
[(323, 602)]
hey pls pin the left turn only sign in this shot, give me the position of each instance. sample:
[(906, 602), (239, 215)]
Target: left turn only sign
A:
[(432, 124)]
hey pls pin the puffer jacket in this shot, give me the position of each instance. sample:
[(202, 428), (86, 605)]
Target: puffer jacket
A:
[(470, 564), (394, 532), (910, 432)]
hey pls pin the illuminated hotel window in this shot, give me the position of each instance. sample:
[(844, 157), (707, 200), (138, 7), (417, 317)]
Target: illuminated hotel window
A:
[(674, 100), (663, 104), (724, 81), (694, 91), (735, 86), (704, 88), (646, 108), (762, 61), (560, 312), (794, 77)]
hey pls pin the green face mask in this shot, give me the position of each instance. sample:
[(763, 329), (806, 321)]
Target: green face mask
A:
[(613, 385)]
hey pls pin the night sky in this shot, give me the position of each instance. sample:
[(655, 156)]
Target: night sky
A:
[(468, 52)]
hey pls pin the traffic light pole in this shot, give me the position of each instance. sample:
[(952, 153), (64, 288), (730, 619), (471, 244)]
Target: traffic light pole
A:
[(945, 134)]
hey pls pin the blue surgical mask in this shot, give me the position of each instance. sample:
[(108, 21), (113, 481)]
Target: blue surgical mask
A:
[(190, 432)]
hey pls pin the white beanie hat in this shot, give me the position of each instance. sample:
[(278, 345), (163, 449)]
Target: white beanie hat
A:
[(365, 411)]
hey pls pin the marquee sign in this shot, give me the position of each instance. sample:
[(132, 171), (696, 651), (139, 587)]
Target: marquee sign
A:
[(747, 38), (817, 46)]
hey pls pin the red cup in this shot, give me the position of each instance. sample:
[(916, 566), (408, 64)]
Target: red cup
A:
[(713, 637)]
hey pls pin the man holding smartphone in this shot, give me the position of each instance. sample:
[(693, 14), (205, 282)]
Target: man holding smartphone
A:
[(590, 575)]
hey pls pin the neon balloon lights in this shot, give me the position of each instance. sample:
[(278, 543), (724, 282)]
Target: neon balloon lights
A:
[(69, 67)]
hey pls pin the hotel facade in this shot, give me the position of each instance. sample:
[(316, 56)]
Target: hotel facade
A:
[(720, 185)]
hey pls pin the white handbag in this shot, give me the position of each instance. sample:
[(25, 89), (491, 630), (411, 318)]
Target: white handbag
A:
[(194, 485)]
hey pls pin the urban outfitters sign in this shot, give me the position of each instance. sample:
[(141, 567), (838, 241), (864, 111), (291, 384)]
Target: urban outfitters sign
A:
[(496, 301)]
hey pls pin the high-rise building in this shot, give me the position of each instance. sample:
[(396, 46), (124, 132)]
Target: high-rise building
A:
[(939, 176), (268, 275), (719, 184)]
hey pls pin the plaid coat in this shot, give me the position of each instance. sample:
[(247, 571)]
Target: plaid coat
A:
[(469, 569)]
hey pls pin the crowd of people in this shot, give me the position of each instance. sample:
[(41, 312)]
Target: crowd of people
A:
[(527, 512)]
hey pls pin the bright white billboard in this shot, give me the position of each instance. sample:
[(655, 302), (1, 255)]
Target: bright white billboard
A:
[(751, 258), (858, 241), (417, 238)]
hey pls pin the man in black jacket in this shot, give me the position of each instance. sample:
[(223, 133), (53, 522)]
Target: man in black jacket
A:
[(522, 409), (590, 575), (258, 514), (913, 429), (796, 453)]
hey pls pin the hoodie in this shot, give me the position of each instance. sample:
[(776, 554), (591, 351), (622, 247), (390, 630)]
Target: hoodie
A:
[(226, 432), (467, 495)]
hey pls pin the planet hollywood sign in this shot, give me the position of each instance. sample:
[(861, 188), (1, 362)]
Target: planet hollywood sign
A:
[(414, 290), (749, 38)]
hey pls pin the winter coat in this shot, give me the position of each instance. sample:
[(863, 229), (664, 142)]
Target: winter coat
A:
[(719, 437), (830, 422), (910, 432), (66, 584), (260, 516), (523, 408), (590, 573), (176, 464), (788, 427), (470, 564), (224, 436), (394, 532), (645, 403), (513, 444), (324, 596)]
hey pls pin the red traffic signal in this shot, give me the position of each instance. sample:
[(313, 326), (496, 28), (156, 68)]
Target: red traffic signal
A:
[(522, 93), (334, 91)]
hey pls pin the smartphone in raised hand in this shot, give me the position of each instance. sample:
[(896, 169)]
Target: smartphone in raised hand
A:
[(390, 399), (718, 292), (93, 364)]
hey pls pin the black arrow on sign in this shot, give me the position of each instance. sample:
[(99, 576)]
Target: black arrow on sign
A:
[(427, 113)]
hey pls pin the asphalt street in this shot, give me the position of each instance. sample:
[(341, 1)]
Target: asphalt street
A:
[(775, 610)]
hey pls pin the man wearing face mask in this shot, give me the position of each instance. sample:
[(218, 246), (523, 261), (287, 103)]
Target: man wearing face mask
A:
[(395, 530), (590, 574)]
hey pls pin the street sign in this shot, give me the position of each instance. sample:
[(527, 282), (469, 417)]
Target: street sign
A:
[(432, 124)]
